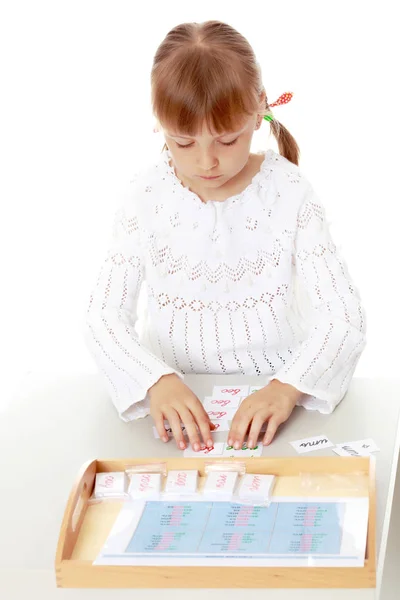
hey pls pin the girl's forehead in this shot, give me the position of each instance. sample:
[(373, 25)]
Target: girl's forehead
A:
[(206, 133)]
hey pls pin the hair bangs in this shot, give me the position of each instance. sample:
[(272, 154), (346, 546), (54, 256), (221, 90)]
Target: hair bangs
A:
[(198, 93)]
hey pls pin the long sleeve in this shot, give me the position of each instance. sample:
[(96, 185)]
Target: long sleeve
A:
[(128, 366), (323, 364)]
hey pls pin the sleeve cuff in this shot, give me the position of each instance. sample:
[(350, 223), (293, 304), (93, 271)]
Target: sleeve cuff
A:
[(140, 408), (322, 401)]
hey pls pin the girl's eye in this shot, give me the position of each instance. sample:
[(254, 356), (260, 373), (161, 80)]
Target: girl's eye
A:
[(223, 143), (229, 143)]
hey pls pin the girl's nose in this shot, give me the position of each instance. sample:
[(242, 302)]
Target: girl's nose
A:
[(207, 162)]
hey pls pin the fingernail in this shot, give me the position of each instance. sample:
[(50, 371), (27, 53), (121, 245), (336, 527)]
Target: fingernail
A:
[(266, 442), (209, 443), (182, 445), (250, 444), (230, 442), (196, 447), (165, 438), (237, 446)]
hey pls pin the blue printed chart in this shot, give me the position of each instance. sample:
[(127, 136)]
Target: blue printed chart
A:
[(204, 533)]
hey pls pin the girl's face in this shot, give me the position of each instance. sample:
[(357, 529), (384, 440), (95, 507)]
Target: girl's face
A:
[(209, 161)]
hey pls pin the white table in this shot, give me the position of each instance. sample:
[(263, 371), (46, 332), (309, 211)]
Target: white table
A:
[(56, 425)]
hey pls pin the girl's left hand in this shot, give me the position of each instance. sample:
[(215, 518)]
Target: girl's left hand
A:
[(273, 403)]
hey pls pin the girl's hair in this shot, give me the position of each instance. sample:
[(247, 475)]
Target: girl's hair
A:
[(208, 72)]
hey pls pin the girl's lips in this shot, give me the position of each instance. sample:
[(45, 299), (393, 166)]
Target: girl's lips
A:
[(216, 177)]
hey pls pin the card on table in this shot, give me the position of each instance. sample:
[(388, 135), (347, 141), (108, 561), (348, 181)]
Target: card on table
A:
[(211, 403), (357, 448), (168, 430), (216, 450), (230, 391), (221, 425), (230, 452), (221, 414), (313, 443)]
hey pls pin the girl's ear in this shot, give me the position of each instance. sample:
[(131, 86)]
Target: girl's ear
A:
[(263, 98)]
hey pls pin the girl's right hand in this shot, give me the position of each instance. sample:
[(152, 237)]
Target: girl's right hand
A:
[(172, 400)]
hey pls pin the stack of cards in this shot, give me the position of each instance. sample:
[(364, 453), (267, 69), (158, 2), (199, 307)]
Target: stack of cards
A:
[(319, 442), (360, 448)]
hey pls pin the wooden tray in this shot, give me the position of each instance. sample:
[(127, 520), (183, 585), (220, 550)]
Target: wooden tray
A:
[(85, 528)]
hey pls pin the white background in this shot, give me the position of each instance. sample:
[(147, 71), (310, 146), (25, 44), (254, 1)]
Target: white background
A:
[(76, 124)]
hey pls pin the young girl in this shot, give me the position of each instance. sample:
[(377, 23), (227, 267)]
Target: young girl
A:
[(241, 273)]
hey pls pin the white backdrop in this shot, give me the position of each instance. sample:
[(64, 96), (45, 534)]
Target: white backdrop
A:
[(76, 124)]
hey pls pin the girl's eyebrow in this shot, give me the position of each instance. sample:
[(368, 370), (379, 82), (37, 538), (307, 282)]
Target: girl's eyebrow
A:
[(185, 137)]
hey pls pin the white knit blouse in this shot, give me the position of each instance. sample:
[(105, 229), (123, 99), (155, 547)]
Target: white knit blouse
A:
[(251, 285)]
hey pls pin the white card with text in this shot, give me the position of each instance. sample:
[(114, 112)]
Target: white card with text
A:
[(347, 451), (230, 391), (313, 443), (357, 448), (211, 403), (221, 414), (168, 430), (216, 450), (230, 452), (221, 425)]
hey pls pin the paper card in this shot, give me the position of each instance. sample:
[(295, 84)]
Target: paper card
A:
[(168, 430), (357, 448), (211, 403), (313, 443), (221, 425), (182, 482), (349, 452), (221, 415), (220, 483), (216, 450), (145, 485), (231, 391), (367, 445), (257, 486), (230, 452)]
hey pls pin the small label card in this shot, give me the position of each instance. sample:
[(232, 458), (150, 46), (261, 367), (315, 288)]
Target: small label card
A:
[(168, 430), (221, 414), (216, 450), (221, 425), (211, 403), (313, 443), (358, 448), (230, 451), (230, 391)]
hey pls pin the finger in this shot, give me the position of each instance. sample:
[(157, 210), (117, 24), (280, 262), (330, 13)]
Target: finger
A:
[(175, 424), (191, 428), (203, 422), (255, 428), (272, 427), (239, 428), (158, 419)]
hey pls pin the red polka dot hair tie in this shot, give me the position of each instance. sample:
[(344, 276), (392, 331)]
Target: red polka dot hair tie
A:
[(284, 99)]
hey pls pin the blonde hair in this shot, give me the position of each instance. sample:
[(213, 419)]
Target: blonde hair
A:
[(208, 72)]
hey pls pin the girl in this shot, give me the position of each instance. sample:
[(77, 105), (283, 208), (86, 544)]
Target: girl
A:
[(241, 274)]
